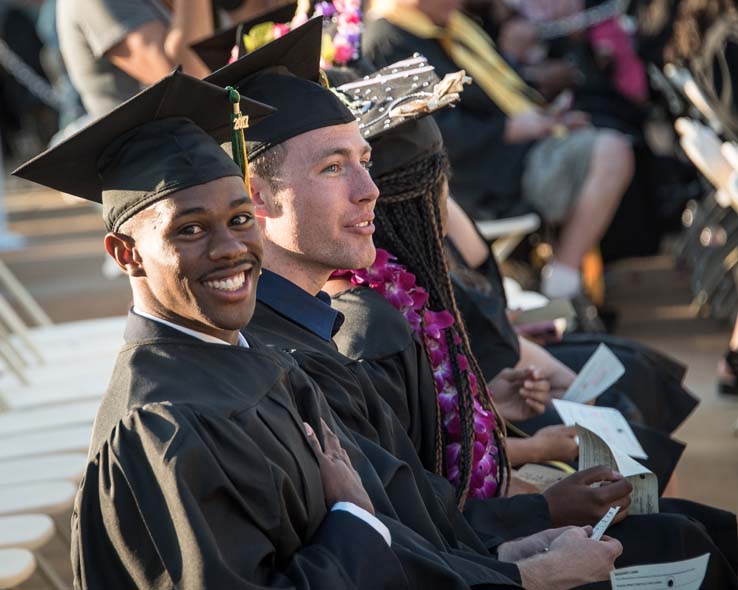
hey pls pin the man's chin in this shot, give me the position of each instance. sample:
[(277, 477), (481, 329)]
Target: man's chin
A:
[(362, 259), (228, 323)]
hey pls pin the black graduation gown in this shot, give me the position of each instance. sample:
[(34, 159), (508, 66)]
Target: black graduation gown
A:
[(373, 333), (194, 481), (645, 538), (396, 352), (652, 381), (487, 170), (352, 393)]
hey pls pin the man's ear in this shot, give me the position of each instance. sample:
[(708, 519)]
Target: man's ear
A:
[(263, 197), (122, 249)]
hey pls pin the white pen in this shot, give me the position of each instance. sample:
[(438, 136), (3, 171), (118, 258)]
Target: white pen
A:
[(601, 526)]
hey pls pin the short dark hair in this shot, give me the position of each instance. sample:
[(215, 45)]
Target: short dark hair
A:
[(268, 164)]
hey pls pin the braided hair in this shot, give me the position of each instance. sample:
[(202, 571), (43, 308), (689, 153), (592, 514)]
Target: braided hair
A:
[(408, 224)]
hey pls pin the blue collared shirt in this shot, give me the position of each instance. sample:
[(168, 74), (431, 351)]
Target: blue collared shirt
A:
[(286, 298)]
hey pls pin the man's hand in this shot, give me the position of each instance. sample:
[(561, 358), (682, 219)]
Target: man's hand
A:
[(529, 546), (528, 126), (520, 394), (573, 559), (574, 501), (341, 483)]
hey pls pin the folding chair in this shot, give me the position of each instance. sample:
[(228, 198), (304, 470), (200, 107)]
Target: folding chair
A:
[(63, 440), (46, 417), (52, 497), (58, 466), (31, 532), (16, 566), (507, 233)]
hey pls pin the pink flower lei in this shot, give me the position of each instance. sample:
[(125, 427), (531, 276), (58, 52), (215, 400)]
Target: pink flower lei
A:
[(399, 288)]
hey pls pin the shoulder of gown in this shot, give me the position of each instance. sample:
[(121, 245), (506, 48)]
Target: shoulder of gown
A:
[(373, 328)]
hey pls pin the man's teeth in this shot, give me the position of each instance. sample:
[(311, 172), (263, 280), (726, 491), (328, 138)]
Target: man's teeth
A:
[(362, 224), (229, 284)]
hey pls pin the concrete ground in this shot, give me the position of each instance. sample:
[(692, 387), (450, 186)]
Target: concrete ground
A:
[(61, 267), (654, 302)]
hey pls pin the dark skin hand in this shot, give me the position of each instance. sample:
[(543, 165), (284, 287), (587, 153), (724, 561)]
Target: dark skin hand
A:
[(341, 482), (573, 501)]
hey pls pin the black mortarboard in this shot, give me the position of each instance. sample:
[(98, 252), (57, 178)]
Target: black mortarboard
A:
[(215, 51), (286, 74), (392, 106), (154, 144)]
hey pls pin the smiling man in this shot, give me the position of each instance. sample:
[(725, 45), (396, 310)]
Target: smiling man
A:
[(315, 200), (201, 474)]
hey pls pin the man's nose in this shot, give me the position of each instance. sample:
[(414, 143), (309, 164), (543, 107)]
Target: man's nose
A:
[(226, 244), (364, 189)]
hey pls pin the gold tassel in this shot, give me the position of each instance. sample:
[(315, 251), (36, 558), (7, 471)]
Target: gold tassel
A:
[(239, 122)]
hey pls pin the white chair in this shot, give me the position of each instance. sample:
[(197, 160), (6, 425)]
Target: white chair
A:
[(46, 417), (705, 150), (30, 532), (61, 393), (26, 531), (508, 233), (62, 440), (47, 497), (99, 369), (60, 466), (683, 80), (16, 566)]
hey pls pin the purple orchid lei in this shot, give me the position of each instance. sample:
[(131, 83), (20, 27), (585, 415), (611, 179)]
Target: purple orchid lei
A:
[(399, 288)]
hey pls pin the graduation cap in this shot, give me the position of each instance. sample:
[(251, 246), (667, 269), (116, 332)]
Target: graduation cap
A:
[(215, 51), (286, 74), (154, 144), (392, 107)]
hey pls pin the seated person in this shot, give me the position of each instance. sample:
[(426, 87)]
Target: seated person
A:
[(651, 380), (178, 482), (504, 145), (396, 352), (313, 201), (112, 48), (202, 473)]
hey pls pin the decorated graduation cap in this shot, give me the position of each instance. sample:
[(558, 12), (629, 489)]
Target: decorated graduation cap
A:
[(245, 37), (392, 105), (156, 143), (286, 74)]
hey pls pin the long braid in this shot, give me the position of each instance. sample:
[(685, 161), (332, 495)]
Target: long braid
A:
[(408, 224)]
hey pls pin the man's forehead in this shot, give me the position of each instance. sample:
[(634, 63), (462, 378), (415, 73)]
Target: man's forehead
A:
[(317, 143), (229, 191)]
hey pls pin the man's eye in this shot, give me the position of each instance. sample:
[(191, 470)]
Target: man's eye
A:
[(333, 168), (190, 230), (242, 219), (367, 164)]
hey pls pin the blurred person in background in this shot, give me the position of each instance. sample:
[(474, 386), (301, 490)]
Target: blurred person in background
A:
[(25, 120), (509, 149), (112, 48)]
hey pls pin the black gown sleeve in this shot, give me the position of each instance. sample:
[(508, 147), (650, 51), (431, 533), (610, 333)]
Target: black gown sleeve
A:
[(375, 334), (166, 503)]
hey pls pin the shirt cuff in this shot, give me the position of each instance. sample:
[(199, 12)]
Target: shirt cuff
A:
[(367, 517)]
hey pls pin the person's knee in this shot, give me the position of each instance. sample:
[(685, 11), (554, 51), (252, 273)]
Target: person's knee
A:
[(615, 152)]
